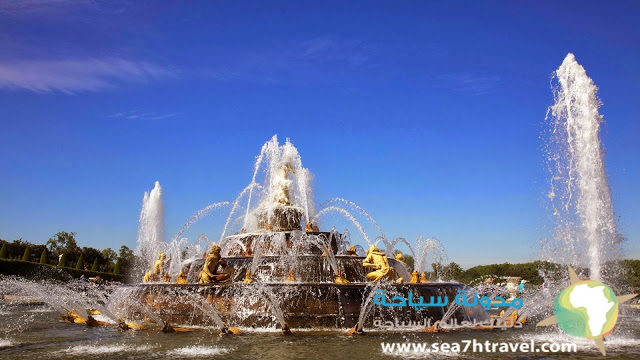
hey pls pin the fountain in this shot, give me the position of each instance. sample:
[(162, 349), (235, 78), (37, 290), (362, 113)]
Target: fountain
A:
[(273, 267), (151, 228), (580, 195)]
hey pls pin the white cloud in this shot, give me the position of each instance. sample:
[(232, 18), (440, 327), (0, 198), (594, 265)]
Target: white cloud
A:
[(73, 76), (477, 84), (16, 7), (136, 115)]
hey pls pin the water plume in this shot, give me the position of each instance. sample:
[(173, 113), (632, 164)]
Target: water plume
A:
[(151, 226), (579, 191)]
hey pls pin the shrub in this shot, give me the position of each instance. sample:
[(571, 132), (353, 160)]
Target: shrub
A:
[(117, 270), (80, 263), (63, 261), (27, 254), (96, 265), (43, 257)]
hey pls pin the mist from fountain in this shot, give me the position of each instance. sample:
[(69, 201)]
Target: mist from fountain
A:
[(151, 226), (355, 206), (579, 191), (346, 214), (198, 215)]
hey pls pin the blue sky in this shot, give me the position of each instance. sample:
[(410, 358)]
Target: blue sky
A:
[(427, 114)]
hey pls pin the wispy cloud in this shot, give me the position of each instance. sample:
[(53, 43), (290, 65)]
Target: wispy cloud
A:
[(137, 115), (22, 7), (331, 49), (73, 76), (319, 59), (477, 84)]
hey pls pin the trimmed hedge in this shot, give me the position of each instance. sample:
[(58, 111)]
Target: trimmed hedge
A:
[(31, 270)]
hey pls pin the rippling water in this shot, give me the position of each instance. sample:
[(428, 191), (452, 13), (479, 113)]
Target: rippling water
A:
[(36, 333)]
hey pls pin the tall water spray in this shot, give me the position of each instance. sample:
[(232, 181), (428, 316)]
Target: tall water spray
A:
[(580, 194), (286, 183), (151, 226)]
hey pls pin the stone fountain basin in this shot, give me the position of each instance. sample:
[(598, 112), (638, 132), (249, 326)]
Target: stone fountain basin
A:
[(302, 304)]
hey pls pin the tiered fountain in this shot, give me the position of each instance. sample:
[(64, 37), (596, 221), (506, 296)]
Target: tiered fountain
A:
[(277, 268)]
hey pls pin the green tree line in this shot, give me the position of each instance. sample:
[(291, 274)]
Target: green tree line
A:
[(63, 250), (625, 273)]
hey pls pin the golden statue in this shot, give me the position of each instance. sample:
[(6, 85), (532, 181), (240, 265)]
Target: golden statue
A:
[(281, 182), (356, 330), (182, 278), (400, 259), (352, 251), (423, 278), (286, 330), (340, 279), (74, 317), (91, 322), (123, 325), (166, 278), (309, 227), (158, 267), (414, 277), (248, 279), (378, 261), (157, 272), (227, 330), (93, 311), (168, 328), (209, 273), (291, 277)]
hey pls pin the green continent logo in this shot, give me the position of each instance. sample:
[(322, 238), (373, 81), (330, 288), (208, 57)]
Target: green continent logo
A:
[(586, 309)]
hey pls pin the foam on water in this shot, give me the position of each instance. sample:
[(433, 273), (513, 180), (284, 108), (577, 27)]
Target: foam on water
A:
[(6, 343), (95, 349), (197, 351)]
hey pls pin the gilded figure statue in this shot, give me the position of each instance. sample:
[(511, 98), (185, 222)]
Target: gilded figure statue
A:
[(209, 273), (352, 251), (309, 227), (158, 267), (414, 277), (378, 261)]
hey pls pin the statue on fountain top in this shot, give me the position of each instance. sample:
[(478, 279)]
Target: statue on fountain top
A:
[(209, 273), (281, 184), (378, 261)]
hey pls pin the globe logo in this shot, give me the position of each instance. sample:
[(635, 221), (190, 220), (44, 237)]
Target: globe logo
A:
[(587, 309)]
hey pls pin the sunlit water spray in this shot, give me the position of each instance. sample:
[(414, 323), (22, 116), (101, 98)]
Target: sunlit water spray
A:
[(151, 226), (580, 195)]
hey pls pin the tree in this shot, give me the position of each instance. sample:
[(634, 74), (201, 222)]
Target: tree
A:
[(96, 265), (80, 263), (109, 255), (27, 254), (126, 253), (127, 258), (63, 260), (43, 257), (3, 251), (63, 242), (452, 271), (117, 270)]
